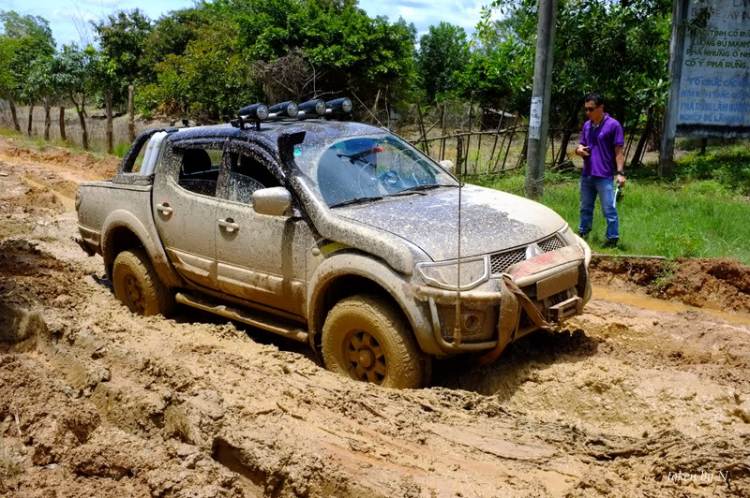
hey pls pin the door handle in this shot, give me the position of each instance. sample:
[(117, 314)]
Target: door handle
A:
[(229, 225), (164, 208)]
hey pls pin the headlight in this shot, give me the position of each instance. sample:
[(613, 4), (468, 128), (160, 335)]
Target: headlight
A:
[(474, 271)]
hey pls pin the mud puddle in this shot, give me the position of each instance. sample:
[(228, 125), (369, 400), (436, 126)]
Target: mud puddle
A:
[(654, 304)]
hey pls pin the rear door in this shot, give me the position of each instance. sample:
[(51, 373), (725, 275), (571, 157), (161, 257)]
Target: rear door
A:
[(259, 258), (184, 207)]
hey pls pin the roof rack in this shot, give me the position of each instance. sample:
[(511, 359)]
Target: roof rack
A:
[(340, 108)]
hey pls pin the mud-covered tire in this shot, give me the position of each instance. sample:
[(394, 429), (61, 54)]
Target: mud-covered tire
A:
[(368, 339), (138, 286)]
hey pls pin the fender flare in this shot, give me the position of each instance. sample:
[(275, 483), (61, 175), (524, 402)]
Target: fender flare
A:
[(121, 218), (395, 284)]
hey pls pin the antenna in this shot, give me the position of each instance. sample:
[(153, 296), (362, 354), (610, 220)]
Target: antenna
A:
[(457, 325)]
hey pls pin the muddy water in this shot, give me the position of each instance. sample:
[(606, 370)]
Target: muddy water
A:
[(650, 303)]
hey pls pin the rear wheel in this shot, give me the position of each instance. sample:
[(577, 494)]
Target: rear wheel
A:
[(365, 338), (138, 286)]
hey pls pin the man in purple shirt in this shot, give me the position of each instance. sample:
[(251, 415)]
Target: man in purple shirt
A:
[(601, 148)]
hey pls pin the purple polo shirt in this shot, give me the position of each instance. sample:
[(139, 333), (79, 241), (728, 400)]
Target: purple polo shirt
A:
[(602, 139)]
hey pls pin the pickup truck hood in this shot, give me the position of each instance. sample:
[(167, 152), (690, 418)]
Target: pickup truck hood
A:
[(491, 220)]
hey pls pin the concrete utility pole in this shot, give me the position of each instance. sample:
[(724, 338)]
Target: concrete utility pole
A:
[(540, 97), (676, 47)]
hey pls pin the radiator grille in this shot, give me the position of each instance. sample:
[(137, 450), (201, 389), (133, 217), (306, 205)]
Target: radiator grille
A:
[(501, 261)]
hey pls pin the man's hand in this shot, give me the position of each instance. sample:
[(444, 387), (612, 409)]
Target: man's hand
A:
[(582, 151), (620, 161)]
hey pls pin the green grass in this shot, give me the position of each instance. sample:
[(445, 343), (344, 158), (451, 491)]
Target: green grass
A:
[(660, 218)]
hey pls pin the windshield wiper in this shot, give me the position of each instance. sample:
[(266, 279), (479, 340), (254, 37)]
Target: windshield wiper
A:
[(418, 188), (358, 200)]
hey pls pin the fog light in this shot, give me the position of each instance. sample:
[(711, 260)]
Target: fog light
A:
[(340, 105), (315, 106), (472, 322)]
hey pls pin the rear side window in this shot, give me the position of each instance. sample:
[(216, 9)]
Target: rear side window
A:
[(199, 168)]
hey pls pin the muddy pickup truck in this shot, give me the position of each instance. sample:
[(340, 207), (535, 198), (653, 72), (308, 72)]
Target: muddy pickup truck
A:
[(301, 222)]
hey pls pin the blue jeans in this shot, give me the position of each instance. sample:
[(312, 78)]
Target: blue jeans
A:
[(590, 187)]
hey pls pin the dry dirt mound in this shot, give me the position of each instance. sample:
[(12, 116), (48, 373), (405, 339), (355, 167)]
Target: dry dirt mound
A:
[(721, 284), (83, 161)]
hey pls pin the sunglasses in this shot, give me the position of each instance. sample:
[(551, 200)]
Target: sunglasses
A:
[(590, 109)]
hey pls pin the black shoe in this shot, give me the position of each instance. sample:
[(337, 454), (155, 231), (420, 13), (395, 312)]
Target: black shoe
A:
[(583, 235), (611, 243)]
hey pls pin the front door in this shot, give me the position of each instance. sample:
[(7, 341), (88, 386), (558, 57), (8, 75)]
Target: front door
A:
[(259, 258), (184, 207)]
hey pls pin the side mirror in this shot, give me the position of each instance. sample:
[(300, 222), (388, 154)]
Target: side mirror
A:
[(274, 201)]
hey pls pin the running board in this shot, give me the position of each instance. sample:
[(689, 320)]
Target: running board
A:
[(271, 324)]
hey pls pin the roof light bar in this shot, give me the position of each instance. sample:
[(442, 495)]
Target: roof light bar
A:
[(312, 108), (288, 109), (257, 112), (342, 105)]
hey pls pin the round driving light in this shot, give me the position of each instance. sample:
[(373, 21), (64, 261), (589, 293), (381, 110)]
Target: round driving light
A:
[(288, 108), (316, 106), (262, 112), (340, 105), (255, 111)]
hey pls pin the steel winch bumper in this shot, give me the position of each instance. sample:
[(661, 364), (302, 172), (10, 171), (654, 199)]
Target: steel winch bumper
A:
[(524, 296)]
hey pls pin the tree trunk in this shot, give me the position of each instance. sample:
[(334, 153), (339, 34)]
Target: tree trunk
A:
[(62, 123), (131, 113), (31, 118), (640, 148), (109, 132), (47, 118), (12, 104), (570, 124), (82, 120)]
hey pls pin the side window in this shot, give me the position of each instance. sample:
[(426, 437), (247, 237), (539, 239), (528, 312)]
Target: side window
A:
[(199, 168), (246, 175)]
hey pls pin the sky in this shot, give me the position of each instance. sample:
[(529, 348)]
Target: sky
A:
[(67, 16)]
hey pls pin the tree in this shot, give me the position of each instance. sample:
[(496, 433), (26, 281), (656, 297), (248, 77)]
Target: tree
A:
[(25, 38), (77, 73), (40, 85), (616, 49), (443, 51), (123, 37), (210, 80)]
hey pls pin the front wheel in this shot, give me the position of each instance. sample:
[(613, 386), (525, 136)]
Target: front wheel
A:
[(138, 286), (365, 338)]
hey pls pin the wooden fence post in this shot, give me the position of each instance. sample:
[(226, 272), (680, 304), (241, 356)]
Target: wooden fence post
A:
[(131, 113), (61, 119), (109, 132)]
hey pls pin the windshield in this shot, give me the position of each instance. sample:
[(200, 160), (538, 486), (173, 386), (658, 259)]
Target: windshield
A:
[(368, 168)]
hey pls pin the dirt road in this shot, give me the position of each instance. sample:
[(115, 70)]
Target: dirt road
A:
[(639, 397)]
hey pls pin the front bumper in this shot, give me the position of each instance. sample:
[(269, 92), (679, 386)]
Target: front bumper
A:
[(541, 292)]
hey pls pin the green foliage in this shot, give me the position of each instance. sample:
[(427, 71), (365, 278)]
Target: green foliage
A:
[(24, 39), (443, 51), (123, 37), (727, 168), (615, 49), (208, 81), (75, 72)]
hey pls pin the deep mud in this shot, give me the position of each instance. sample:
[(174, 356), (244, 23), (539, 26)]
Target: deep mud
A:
[(629, 400), (720, 284)]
